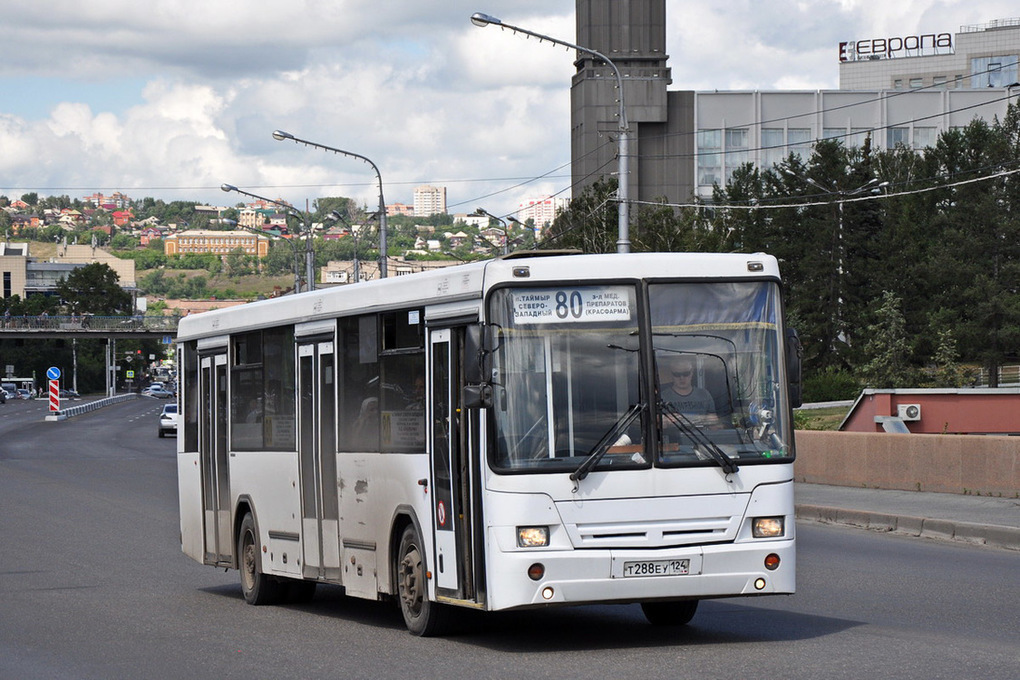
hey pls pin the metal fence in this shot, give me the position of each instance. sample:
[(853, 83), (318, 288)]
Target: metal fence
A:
[(89, 322), (1008, 375)]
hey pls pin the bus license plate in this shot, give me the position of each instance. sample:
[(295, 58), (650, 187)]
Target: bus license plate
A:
[(657, 568)]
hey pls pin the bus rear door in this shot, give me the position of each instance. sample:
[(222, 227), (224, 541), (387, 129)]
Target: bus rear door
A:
[(219, 540)]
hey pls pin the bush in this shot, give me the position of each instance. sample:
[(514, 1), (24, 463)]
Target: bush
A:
[(830, 385)]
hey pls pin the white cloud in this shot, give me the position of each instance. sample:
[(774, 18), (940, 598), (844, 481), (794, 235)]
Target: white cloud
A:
[(412, 85)]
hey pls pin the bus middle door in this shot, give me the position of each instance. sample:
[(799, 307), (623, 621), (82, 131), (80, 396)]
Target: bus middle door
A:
[(452, 434), (317, 440)]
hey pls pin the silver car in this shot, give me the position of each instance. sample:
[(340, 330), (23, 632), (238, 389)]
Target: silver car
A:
[(168, 420)]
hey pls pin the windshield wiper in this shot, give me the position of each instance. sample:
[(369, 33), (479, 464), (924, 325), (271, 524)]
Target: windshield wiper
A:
[(608, 439), (698, 437)]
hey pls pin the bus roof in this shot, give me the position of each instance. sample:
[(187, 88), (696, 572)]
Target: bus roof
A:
[(470, 281)]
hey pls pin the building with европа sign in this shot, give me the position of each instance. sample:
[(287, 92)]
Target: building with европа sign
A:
[(683, 142)]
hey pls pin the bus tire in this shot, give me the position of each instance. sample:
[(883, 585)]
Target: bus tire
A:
[(257, 587), (421, 616), (669, 613)]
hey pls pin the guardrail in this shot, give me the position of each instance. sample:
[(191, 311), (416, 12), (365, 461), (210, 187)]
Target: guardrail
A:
[(89, 322), (89, 406)]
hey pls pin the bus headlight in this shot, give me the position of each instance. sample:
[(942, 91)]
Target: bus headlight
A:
[(767, 527), (532, 537)]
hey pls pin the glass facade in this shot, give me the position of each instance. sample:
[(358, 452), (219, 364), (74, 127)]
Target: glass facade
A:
[(998, 71), (709, 157)]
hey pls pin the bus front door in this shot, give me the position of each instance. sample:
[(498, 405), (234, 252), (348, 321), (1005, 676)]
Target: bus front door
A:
[(213, 453), (317, 439), (453, 433)]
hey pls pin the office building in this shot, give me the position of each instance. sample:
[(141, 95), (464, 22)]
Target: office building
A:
[(683, 142)]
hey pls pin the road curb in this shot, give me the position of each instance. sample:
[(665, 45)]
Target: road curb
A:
[(925, 527)]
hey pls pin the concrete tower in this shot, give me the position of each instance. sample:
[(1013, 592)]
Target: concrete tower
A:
[(633, 34)]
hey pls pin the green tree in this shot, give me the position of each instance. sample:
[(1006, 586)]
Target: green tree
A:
[(887, 345), (94, 289), (590, 221)]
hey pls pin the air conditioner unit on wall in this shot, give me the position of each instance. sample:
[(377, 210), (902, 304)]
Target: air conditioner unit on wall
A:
[(908, 412)]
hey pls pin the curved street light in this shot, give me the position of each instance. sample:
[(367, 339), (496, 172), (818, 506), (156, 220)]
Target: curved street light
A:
[(481, 212), (309, 252), (623, 237), (280, 135)]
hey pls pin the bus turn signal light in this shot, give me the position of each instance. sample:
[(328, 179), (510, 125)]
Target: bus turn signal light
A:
[(772, 561)]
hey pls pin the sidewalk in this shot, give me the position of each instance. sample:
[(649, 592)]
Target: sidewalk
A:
[(973, 519)]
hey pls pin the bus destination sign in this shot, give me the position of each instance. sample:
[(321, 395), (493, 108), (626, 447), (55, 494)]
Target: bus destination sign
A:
[(584, 304)]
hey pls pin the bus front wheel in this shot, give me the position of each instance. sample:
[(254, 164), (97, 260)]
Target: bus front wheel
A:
[(669, 613), (421, 616), (258, 588)]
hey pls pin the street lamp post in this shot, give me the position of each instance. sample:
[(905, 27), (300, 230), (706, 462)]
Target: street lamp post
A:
[(480, 212), (623, 237), (280, 135), (309, 252)]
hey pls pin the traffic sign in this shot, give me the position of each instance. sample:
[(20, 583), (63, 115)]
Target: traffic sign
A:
[(53, 373)]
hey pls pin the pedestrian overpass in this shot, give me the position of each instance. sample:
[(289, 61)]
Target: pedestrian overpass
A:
[(89, 326)]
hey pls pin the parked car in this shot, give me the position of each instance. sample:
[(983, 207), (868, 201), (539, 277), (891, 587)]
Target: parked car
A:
[(68, 394), (168, 420), (157, 391)]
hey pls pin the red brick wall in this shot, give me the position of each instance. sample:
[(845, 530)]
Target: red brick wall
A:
[(915, 462)]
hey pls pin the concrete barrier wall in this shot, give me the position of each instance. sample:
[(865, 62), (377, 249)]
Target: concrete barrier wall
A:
[(965, 464)]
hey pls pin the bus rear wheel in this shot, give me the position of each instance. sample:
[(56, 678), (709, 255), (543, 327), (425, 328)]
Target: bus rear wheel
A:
[(421, 616), (257, 587), (669, 613)]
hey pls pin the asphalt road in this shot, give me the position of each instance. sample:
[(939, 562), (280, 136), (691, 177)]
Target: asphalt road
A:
[(93, 585)]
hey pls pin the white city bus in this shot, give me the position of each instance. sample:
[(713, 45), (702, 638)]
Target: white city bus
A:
[(535, 430)]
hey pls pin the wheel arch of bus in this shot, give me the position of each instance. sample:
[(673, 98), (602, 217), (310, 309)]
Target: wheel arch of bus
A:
[(242, 507), (404, 516)]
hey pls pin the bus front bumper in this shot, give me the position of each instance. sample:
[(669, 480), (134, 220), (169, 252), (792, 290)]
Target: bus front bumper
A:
[(603, 576)]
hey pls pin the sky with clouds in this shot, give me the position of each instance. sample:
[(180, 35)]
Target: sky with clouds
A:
[(172, 98)]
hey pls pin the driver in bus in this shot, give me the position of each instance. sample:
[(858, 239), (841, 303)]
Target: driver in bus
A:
[(686, 397)]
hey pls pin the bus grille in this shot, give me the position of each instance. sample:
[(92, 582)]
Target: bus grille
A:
[(653, 523)]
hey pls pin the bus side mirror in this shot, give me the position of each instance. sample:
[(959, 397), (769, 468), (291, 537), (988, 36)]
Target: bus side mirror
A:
[(477, 392), (794, 356), (476, 355)]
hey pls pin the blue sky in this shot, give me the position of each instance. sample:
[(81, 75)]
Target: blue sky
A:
[(172, 99), (35, 97)]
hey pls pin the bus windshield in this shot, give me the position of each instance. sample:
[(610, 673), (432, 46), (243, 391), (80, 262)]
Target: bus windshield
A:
[(566, 371), (718, 372), (573, 367)]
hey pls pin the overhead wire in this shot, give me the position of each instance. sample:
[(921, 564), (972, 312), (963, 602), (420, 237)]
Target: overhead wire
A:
[(842, 199)]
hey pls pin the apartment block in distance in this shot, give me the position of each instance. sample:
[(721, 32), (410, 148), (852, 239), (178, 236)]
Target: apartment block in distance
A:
[(429, 200)]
